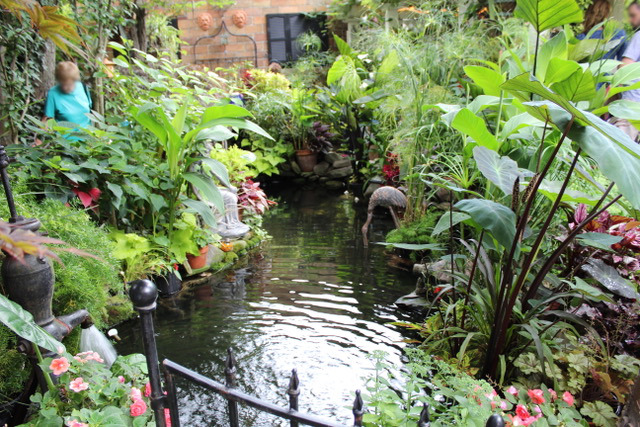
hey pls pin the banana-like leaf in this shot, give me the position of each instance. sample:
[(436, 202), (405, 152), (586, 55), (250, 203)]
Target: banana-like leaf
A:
[(205, 186), (225, 111), (554, 48), (202, 209), (21, 322), (551, 189), (217, 169), (497, 219), (601, 241), (545, 14), (579, 86)]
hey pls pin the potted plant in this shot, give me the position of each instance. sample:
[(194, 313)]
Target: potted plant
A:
[(203, 238)]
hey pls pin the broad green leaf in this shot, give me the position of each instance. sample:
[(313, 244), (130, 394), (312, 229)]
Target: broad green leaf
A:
[(601, 241), (116, 190), (559, 70), (551, 189), (487, 79), (625, 109), (579, 86), (157, 202), (545, 14), (554, 48), (21, 322), (591, 291), (616, 154), (497, 219), (446, 220), (501, 171), (470, 124), (179, 118), (207, 188), (626, 75)]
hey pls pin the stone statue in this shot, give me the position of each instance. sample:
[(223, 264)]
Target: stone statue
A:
[(239, 18), (229, 224), (205, 21)]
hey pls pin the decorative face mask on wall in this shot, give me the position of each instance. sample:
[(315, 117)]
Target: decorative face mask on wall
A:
[(205, 21), (239, 18)]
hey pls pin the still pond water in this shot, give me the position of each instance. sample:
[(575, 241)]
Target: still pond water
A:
[(311, 298)]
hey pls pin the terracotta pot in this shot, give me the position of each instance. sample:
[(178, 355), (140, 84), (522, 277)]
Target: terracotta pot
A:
[(307, 160), (198, 261)]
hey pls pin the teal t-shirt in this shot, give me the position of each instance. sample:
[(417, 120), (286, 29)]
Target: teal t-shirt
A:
[(69, 107)]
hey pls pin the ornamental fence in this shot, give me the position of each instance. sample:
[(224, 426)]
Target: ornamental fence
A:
[(144, 294)]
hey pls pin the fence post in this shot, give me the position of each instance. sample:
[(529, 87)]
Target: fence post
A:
[(230, 382), (143, 294), (424, 420), (495, 420), (358, 410), (172, 397), (293, 392)]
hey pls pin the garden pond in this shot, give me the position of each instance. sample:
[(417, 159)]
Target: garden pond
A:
[(310, 298)]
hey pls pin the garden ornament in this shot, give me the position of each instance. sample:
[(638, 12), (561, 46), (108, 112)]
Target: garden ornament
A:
[(386, 197), (205, 21), (30, 282), (239, 18)]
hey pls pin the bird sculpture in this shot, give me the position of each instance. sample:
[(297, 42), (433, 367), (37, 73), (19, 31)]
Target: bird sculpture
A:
[(386, 197)]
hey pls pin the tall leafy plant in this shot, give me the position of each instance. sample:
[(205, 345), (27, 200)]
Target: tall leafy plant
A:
[(180, 151)]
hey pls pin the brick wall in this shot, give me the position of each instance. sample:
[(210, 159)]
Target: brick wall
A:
[(221, 51)]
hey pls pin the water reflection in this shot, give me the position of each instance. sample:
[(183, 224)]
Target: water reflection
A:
[(312, 298)]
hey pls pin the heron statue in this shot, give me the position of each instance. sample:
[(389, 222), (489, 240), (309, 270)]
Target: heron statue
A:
[(386, 197)]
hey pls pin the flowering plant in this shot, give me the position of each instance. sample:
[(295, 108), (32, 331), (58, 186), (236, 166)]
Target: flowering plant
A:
[(253, 198), (89, 393)]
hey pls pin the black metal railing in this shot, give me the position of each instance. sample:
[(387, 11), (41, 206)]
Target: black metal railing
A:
[(144, 294)]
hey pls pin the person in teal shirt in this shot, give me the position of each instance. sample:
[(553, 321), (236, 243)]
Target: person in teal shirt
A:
[(69, 100)]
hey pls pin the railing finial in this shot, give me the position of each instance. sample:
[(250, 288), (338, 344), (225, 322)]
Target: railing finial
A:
[(358, 409)]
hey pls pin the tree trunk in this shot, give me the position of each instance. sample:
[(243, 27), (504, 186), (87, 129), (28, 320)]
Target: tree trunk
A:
[(631, 414), (47, 74)]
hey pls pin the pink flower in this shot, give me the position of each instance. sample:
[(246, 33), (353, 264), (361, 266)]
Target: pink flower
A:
[(59, 366), (522, 412), (138, 407), (536, 395), (167, 417), (121, 379), (568, 398), (78, 385), (147, 390), (503, 405), (76, 423), (553, 394), (135, 394), (60, 350), (512, 390), (537, 409)]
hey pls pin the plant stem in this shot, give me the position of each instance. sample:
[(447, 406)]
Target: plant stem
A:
[(46, 376), (470, 282)]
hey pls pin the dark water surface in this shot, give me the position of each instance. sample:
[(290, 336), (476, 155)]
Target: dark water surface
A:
[(311, 298)]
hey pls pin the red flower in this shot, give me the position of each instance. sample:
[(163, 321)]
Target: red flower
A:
[(522, 412), (536, 395), (137, 408), (147, 389), (167, 417)]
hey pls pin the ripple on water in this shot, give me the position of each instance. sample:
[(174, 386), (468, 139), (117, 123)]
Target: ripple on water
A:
[(312, 298)]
